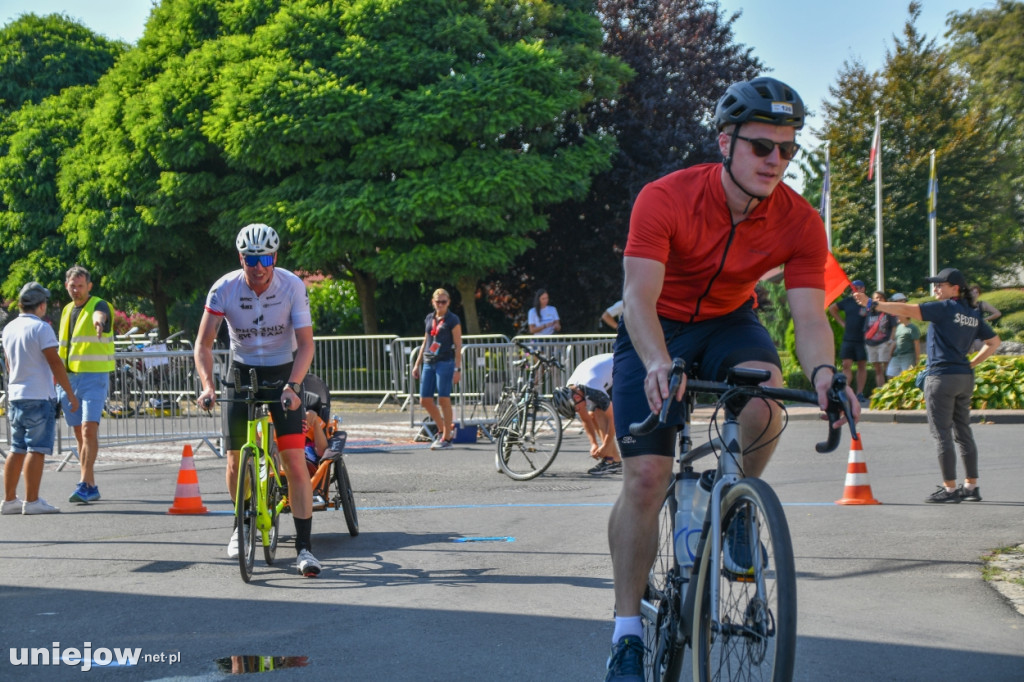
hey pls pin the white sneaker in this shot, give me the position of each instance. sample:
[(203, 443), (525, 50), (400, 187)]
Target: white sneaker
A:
[(39, 506), (436, 445), (307, 563), (11, 507), (233, 545)]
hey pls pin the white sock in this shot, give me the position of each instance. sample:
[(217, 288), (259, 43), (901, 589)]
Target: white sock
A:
[(627, 625), (970, 486)]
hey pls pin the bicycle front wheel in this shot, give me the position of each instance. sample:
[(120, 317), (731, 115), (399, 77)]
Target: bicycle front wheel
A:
[(755, 637), (529, 443), (659, 608), (246, 497), (274, 495)]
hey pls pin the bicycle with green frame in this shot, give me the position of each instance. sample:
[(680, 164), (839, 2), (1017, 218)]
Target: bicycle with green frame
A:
[(260, 489)]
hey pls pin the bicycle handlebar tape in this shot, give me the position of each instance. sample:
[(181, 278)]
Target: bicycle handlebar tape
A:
[(186, 496), (858, 490)]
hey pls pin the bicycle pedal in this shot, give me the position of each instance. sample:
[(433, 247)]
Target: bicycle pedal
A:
[(319, 503)]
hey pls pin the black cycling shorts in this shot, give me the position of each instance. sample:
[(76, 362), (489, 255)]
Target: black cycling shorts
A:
[(236, 414)]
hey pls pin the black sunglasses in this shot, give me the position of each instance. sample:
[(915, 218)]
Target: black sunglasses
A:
[(763, 147)]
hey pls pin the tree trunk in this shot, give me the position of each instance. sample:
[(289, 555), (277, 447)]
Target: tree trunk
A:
[(366, 290), (467, 290)]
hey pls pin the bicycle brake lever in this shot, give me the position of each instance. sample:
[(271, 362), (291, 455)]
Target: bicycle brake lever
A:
[(655, 418), (838, 406)]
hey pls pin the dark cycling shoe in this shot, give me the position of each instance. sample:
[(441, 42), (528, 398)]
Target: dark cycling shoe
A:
[(626, 662), (737, 556), (943, 496), (969, 495)]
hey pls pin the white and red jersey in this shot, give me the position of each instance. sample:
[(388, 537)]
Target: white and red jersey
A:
[(262, 328)]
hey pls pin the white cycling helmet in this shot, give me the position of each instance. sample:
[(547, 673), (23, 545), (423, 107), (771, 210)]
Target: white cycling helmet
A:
[(257, 239)]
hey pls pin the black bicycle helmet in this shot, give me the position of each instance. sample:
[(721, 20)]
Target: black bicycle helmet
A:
[(257, 239), (762, 100), (562, 400)]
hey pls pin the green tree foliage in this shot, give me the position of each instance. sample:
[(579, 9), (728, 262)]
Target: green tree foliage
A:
[(33, 248), (924, 105), (40, 56), (683, 58), (46, 67), (401, 139), (989, 43)]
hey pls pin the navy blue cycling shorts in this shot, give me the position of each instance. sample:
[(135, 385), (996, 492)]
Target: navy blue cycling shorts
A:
[(714, 346)]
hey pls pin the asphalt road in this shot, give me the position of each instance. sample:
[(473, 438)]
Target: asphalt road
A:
[(462, 574)]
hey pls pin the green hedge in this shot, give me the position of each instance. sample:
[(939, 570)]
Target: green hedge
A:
[(998, 385), (1010, 325), (1008, 301)]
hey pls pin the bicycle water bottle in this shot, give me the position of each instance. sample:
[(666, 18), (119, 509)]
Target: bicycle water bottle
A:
[(699, 509), (685, 488)]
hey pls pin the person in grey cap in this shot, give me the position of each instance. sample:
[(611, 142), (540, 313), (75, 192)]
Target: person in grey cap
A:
[(31, 350), (949, 385)]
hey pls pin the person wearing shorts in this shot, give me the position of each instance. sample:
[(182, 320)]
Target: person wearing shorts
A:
[(590, 385), (30, 347), (87, 349), (852, 348), (271, 330), (699, 241), (438, 366)]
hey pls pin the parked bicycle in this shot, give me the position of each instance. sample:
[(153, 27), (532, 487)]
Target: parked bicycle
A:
[(529, 430), (724, 581)]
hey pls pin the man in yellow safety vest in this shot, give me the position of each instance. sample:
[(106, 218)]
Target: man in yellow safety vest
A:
[(86, 341)]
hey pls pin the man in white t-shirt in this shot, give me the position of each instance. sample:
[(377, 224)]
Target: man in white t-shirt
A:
[(267, 310), (32, 363)]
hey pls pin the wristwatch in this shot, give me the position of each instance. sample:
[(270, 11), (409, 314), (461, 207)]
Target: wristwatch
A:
[(296, 387)]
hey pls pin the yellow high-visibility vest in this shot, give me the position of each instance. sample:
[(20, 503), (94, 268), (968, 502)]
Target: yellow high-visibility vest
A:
[(84, 352)]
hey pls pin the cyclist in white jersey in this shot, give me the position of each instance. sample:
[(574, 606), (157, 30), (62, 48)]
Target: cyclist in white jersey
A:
[(267, 311)]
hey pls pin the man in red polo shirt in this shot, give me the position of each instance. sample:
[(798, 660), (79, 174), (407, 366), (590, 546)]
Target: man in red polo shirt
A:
[(699, 240)]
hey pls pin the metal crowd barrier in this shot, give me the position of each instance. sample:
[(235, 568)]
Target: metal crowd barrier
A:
[(355, 365), (487, 367), (151, 399), (152, 389)]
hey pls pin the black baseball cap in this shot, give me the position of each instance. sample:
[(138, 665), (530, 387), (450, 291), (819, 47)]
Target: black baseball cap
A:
[(32, 294), (949, 276)]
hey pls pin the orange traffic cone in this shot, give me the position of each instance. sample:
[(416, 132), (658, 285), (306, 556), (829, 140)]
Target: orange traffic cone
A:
[(186, 496), (858, 490)]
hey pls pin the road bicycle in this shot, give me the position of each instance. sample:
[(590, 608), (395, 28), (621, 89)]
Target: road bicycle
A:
[(529, 430), (737, 613), (259, 494)]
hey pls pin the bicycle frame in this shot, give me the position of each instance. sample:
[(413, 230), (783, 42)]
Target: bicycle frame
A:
[(257, 438)]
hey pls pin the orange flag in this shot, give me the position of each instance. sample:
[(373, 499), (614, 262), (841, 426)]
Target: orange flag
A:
[(836, 280)]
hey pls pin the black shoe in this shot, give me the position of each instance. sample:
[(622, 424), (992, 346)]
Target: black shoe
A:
[(626, 662), (969, 495), (943, 496)]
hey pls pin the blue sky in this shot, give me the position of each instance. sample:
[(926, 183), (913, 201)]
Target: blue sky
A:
[(802, 42)]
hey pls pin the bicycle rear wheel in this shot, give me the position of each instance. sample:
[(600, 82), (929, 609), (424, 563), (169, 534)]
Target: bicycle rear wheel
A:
[(245, 512), (659, 608), (756, 635), (345, 497), (530, 442)]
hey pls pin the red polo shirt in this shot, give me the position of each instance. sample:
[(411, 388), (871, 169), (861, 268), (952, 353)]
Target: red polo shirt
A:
[(711, 266)]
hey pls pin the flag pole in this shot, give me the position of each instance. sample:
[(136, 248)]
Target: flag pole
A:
[(826, 197), (878, 203), (933, 240)]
